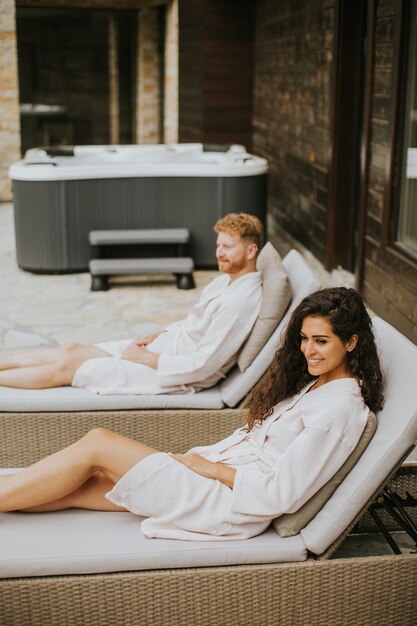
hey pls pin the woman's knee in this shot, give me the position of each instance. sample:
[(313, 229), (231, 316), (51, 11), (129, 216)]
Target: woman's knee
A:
[(97, 436), (97, 445)]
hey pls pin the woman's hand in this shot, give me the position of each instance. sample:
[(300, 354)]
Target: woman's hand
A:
[(200, 465)]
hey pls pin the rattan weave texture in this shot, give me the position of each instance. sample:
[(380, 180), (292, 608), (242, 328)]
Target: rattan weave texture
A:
[(368, 591), (27, 437)]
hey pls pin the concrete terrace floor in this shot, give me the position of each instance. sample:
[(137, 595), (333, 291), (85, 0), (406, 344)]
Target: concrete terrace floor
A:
[(47, 310)]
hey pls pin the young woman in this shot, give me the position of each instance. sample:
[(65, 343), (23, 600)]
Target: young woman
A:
[(305, 418)]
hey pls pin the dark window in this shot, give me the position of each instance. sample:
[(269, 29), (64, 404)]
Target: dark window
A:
[(406, 234), (64, 87)]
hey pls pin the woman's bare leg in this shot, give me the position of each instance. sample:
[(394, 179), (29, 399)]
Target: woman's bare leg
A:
[(91, 495), (58, 373), (64, 472)]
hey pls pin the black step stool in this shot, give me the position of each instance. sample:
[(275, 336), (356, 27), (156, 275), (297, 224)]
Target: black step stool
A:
[(182, 267)]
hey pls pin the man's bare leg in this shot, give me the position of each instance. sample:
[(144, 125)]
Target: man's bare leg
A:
[(71, 476), (28, 358), (57, 373)]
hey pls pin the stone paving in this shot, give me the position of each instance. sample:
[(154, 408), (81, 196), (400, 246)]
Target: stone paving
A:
[(46, 310)]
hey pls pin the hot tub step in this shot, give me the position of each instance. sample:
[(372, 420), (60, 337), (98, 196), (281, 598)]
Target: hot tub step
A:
[(144, 236), (181, 267)]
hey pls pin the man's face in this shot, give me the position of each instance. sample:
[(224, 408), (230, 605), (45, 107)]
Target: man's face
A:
[(232, 253)]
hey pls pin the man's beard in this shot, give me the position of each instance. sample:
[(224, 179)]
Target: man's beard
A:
[(231, 267)]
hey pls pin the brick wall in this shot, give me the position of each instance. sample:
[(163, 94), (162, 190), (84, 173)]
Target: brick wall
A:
[(390, 280), (293, 58), (9, 98)]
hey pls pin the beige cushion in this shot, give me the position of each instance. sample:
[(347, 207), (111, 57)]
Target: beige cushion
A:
[(77, 541), (291, 523), (276, 296)]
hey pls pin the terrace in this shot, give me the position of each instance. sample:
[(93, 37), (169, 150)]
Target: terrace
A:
[(47, 310)]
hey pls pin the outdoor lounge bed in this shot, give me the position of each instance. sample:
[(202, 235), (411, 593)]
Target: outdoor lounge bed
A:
[(81, 567), (35, 423)]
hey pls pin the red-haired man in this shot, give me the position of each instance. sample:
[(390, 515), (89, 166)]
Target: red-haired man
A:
[(188, 355)]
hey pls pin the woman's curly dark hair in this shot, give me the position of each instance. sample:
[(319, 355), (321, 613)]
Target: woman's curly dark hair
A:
[(288, 373)]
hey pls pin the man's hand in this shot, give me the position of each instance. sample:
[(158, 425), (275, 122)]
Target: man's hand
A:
[(200, 465), (140, 354), (143, 341)]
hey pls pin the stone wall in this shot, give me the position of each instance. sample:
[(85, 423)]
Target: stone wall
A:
[(9, 96), (171, 73), (148, 99), (293, 61)]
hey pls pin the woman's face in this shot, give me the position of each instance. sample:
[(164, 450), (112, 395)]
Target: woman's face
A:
[(325, 352)]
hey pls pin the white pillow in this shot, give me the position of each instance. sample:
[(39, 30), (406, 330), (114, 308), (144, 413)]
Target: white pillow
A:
[(276, 296)]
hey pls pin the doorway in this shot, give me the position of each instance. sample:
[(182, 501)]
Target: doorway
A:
[(65, 78)]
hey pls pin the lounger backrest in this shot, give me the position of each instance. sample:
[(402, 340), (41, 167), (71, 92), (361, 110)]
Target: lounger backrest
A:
[(303, 282), (396, 433)]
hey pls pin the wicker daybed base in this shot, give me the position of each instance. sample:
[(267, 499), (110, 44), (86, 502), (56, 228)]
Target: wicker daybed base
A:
[(366, 591), (27, 437), (330, 592)]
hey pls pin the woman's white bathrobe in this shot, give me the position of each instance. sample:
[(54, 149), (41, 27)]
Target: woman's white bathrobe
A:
[(195, 353), (280, 465)]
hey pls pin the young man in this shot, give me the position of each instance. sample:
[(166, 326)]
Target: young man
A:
[(185, 356)]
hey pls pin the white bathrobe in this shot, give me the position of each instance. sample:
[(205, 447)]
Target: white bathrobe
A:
[(280, 464), (195, 353)]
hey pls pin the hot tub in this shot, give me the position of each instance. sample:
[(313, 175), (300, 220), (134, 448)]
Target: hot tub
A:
[(61, 194)]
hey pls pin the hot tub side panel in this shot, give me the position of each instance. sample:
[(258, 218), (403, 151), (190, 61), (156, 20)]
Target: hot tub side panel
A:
[(40, 216), (69, 210), (143, 203)]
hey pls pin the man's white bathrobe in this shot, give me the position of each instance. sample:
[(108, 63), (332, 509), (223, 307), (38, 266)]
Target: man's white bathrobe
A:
[(195, 353), (280, 464)]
